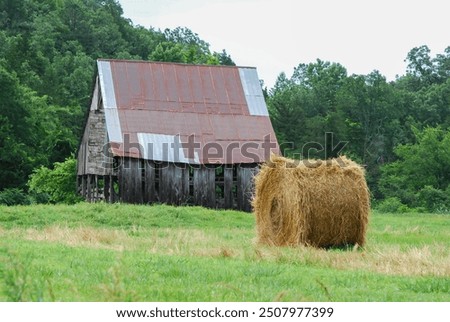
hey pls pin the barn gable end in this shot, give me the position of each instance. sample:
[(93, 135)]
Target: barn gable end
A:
[(91, 154)]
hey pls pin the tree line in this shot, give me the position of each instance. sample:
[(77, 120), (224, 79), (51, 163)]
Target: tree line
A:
[(398, 130)]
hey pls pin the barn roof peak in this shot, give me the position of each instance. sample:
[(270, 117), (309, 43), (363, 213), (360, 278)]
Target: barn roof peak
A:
[(137, 61)]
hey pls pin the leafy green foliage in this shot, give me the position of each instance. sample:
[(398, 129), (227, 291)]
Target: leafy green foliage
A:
[(14, 196), (392, 205), (58, 183), (18, 141), (433, 199), (421, 175), (181, 45)]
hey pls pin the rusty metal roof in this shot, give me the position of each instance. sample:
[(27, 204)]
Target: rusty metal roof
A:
[(185, 113)]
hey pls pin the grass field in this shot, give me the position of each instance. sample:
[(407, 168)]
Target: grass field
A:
[(101, 252)]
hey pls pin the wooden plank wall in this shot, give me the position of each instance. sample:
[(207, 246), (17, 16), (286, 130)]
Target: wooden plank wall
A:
[(130, 181), (228, 188), (244, 188), (98, 187), (174, 183), (150, 195), (204, 186), (140, 181)]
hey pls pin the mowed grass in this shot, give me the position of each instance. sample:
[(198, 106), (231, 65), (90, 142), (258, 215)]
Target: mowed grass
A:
[(102, 252)]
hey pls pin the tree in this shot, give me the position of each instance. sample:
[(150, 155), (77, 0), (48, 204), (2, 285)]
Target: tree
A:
[(303, 108), (224, 58), (18, 138), (424, 71), (423, 168), (324, 80), (420, 64), (369, 104), (442, 63), (183, 45), (141, 41), (287, 116), (168, 51)]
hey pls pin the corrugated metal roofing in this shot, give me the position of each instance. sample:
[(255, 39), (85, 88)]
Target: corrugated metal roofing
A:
[(253, 92), (109, 102), (163, 147), (159, 105)]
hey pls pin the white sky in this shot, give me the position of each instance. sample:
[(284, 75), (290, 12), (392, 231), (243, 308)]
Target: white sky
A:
[(277, 35)]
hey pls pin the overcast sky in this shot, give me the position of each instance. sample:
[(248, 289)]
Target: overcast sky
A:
[(277, 35)]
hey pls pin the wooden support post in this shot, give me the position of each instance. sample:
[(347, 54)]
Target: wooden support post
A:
[(106, 188), (112, 191), (78, 187), (124, 177), (119, 181), (210, 186), (185, 183), (228, 187), (176, 186), (83, 186), (89, 188), (95, 198)]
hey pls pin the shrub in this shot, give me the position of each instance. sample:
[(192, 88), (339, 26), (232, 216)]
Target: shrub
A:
[(392, 205), (58, 183), (14, 196), (433, 199), (39, 198)]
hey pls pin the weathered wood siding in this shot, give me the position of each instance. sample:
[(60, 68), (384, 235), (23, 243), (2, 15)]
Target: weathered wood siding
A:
[(245, 187), (98, 188), (92, 156), (204, 186), (228, 188), (130, 181), (150, 195), (173, 186), (143, 181)]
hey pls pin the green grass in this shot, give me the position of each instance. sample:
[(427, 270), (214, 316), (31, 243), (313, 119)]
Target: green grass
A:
[(101, 252), (121, 216)]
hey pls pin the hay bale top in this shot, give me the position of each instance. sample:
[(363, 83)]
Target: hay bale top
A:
[(341, 163)]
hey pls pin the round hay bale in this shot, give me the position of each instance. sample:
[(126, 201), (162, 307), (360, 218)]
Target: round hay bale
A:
[(311, 202)]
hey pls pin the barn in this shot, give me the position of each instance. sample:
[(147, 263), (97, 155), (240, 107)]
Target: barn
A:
[(174, 133)]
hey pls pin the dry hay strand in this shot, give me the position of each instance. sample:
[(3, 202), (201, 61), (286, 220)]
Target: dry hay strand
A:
[(311, 202)]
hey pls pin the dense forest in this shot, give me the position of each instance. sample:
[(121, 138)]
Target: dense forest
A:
[(398, 130)]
